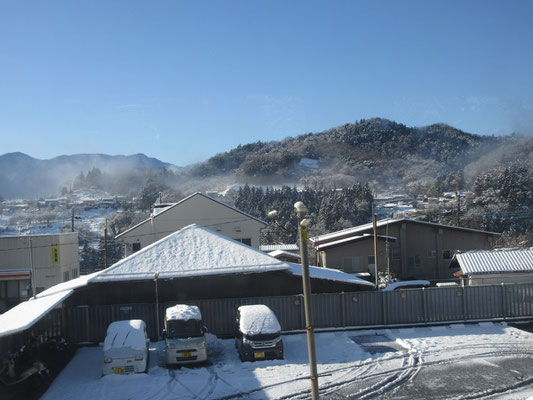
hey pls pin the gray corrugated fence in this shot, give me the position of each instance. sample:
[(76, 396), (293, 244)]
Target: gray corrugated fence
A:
[(415, 306), (89, 323)]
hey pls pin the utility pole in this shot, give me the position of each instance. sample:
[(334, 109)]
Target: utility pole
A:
[(156, 277), (374, 223), (105, 244), (32, 273), (72, 219), (458, 195), (301, 210)]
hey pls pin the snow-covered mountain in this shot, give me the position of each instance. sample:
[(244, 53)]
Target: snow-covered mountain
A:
[(22, 176)]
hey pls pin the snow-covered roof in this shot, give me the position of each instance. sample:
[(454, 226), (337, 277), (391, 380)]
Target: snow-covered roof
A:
[(183, 312), (184, 200), (26, 314), (191, 251), (258, 319), (351, 239), (128, 333), (399, 284), (384, 222), (272, 247), (494, 261), (278, 253), (328, 274), (68, 285)]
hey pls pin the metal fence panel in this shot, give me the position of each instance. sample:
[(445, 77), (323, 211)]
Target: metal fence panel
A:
[(363, 308), (519, 300), (444, 304), (219, 315), (403, 306), (327, 310), (484, 302), (89, 323)]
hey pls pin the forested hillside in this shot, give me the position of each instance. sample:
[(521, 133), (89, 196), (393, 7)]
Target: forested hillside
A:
[(329, 209), (377, 150)]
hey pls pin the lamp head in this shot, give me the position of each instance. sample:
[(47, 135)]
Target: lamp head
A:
[(300, 207)]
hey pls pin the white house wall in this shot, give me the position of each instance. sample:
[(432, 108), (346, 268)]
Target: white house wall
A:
[(195, 210), (48, 270)]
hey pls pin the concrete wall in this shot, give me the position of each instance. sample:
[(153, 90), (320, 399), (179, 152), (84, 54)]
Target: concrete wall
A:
[(195, 210), (417, 253)]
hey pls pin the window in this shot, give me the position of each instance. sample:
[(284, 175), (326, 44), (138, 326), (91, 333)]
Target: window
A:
[(246, 241), (413, 261), (74, 273), (447, 254), (432, 253), (12, 290), (351, 264), (136, 247), (65, 276), (371, 260), (395, 253)]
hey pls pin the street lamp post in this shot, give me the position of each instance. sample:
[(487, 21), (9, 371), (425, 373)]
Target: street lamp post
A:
[(301, 210)]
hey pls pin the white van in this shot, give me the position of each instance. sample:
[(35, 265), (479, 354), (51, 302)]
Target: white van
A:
[(126, 347), (184, 335)]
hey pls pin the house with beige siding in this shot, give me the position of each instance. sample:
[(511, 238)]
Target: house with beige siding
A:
[(199, 209), (41, 260), (410, 249)]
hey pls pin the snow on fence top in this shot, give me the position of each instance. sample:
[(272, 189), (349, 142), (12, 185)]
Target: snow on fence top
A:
[(258, 319), (183, 312)]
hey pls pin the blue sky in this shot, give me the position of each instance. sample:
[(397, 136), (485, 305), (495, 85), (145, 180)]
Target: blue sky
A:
[(184, 80)]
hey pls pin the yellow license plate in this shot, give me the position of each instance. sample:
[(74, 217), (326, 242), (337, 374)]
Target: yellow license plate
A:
[(118, 370), (259, 355), (186, 354)]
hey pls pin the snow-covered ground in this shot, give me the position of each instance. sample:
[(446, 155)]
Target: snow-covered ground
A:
[(379, 361)]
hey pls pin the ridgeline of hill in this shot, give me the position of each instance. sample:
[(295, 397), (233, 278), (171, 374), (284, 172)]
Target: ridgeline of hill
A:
[(375, 150), (383, 153)]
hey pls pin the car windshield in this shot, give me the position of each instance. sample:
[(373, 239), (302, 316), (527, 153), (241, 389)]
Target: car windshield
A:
[(262, 337), (177, 328)]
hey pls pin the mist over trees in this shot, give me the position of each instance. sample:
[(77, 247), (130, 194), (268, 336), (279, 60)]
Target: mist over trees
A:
[(329, 209)]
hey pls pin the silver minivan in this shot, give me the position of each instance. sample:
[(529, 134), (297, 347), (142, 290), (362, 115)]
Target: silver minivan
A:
[(184, 335)]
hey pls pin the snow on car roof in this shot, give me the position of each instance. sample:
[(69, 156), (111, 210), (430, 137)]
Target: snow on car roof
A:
[(128, 333), (258, 319), (183, 312)]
